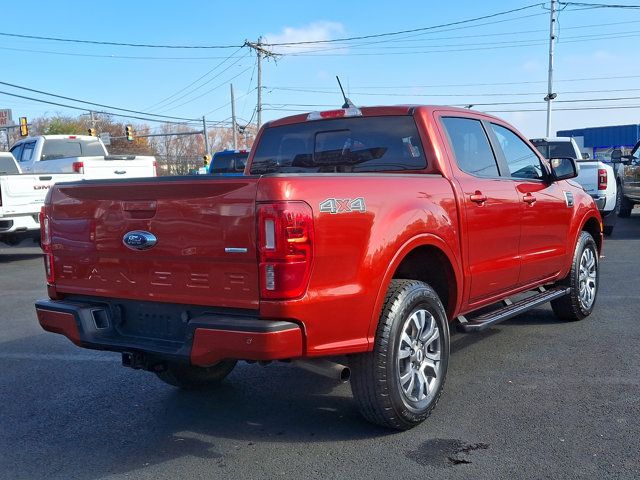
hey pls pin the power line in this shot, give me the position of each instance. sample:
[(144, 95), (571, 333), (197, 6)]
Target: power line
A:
[(196, 81), (401, 32), (602, 107), (92, 103), (125, 57), (118, 44), (599, 5), (332, 90), (74, 107), (208, 91)]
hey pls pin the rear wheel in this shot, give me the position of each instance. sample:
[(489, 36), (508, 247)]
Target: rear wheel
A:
[(582, 280), (190, 377), (398, 384)]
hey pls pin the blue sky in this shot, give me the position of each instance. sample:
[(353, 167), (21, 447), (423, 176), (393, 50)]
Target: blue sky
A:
[(453, 65)]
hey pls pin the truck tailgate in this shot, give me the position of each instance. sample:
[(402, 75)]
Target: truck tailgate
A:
[(205, 229), (119, 167), (588, 176), (24, 194)]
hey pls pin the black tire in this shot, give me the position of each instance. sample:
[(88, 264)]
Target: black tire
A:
[(625, 208), (190, 377), (375, 376), (571, 307)]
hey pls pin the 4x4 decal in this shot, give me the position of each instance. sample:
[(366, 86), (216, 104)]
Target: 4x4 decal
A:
[(343, 205)]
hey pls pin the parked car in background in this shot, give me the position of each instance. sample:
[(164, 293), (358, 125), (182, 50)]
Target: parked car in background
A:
[(596, 177), (630, 179), (78, 154), (229, 162), (363, 232)]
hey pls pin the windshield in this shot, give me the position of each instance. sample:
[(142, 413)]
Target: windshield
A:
[(71, 147), (555, 149), (356, 144)]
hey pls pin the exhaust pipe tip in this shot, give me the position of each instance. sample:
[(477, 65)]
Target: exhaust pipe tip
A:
[(326, 368)]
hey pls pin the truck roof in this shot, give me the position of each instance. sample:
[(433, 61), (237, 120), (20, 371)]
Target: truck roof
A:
[(373, 111)]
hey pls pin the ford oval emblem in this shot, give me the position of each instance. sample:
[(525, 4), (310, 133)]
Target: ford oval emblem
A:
[(139, 240)]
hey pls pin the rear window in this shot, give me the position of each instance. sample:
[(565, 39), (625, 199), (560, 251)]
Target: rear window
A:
[(64, 148), (345, 145), (555, 149)]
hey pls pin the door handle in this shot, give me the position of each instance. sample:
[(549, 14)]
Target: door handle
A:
[(530, 199), (478, 197)]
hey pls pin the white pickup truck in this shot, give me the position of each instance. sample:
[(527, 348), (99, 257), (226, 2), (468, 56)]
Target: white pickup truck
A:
[(21, 197), (597, 178), (78, 154), (45, 160)]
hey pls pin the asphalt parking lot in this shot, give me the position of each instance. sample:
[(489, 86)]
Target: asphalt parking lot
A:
[(530, 398)]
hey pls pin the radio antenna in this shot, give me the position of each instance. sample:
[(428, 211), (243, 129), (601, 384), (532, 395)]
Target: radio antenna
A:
[(347, 103)]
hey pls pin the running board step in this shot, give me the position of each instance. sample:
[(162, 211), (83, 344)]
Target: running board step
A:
[(511, 310)]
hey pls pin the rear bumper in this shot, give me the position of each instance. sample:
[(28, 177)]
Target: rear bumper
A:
[(19, 224), (202, 340)]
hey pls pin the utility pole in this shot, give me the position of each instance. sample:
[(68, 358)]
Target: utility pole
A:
[(206, 137), (260, 52), (552, 38), (233, 119), (93, 119)]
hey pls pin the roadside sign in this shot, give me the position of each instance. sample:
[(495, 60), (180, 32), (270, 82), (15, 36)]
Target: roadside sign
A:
[(106, 138), (6, 120)]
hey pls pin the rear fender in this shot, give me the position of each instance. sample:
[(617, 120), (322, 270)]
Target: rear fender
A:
[(423, 240)]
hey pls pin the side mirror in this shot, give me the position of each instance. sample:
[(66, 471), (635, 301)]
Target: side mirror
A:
[(586, 156), (563, 168), (616, 156)]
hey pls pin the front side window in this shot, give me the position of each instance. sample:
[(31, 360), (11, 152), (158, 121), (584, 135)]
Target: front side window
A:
[(521, 160), (471, 146), (17, 151)]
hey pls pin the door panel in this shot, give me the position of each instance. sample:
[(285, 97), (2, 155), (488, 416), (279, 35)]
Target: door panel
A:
[(545, 226), (493, 234)]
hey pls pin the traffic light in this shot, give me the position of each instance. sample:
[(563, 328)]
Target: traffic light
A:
[(92, 132), (207, 160), (128, 131), (24, 127)]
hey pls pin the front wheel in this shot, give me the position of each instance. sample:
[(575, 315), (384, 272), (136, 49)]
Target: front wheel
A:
[(398, 384), (190, 377), (583, 280)]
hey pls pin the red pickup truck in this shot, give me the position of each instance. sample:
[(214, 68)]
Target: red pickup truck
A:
[(360, 232)]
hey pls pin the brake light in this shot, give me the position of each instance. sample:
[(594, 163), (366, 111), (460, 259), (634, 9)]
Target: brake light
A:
[(72, 137), (45, 241), (78, 167), (342, 112), (602, 179), (285, 246), (155, 168)]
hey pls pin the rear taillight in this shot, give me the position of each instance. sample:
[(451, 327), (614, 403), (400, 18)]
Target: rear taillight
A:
[(45, 241), (155, 168), (285, 246), (602, 179), (78, 167)]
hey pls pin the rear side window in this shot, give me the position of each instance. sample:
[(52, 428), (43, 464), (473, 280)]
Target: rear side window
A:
[(521, 160), (356, 144), (27, 153), (64, 148), (471, 146)]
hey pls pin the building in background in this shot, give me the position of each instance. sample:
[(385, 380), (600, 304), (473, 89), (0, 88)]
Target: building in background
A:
[(599, 142)]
